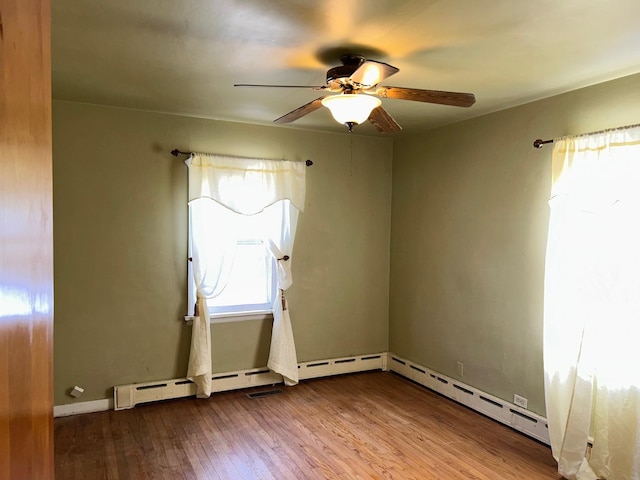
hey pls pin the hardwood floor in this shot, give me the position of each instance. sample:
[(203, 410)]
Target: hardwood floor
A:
[(366, 426)]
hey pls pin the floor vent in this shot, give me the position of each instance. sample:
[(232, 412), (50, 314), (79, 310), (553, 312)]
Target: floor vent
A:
[(264, 393)]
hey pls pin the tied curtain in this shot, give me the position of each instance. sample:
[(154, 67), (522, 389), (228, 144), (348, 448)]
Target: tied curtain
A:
[(242, 186), (592, 306)]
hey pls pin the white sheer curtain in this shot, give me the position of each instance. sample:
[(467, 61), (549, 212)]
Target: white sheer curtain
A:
[(242, 186), (282, 354), (592, 306), (212, 252)]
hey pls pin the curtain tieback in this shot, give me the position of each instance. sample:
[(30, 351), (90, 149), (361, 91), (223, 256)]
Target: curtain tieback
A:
[(284, 305)]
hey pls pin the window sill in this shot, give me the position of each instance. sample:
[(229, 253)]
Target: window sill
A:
[(234, 317)]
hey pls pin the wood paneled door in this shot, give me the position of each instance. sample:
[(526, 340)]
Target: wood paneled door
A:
[(26, 242)]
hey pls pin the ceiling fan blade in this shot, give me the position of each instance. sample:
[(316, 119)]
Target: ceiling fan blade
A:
[(455, 99), (299, 112), (371, 73), (312, 87), (384, 122)]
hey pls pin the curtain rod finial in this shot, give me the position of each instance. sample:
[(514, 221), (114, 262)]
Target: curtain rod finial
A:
[(539, 142)]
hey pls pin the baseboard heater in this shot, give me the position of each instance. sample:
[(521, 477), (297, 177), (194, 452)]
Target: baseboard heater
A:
[(128, 396), (525, 421), (504, 412)]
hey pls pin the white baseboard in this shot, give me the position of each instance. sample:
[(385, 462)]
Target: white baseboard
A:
[(83, 407), (128, 396)]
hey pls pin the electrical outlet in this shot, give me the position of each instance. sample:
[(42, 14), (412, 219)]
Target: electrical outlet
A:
[(520, 401), (460, 369), (76, 391)]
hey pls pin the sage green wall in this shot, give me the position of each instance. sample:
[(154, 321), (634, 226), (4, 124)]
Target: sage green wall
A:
[(120, 246), (469, 220), (467, 242)]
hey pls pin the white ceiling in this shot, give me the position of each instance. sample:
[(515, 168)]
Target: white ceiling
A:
[(184, 56)]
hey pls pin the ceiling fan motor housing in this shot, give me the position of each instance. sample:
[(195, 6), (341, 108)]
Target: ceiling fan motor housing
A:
[(350, 64)]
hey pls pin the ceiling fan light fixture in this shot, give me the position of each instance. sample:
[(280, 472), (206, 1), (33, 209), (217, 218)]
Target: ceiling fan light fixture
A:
[(351, 108)]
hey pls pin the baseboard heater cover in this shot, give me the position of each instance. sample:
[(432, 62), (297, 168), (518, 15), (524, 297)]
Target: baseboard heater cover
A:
[(518, 418), (128, 396)]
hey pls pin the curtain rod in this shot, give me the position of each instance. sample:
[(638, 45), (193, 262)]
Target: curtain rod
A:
[(539, 142), (175, 152)]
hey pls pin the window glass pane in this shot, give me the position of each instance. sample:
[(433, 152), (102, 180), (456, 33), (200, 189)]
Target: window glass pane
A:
[(250, 277), (251, 280)]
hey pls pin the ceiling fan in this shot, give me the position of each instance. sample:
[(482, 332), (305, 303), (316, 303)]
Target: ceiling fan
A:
[(358, 94)]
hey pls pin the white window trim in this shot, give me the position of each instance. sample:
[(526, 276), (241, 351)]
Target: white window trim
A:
[(234, 317)]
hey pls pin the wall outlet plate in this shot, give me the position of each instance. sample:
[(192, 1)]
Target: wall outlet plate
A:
[(76, 391), (520, 401), (460, 369)]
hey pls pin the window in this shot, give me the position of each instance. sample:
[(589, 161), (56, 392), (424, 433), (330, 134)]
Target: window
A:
[(251, 286), (275, 192), (592, 306)]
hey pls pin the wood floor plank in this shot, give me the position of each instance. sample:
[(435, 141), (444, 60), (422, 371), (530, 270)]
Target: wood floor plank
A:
[(375, 425)]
